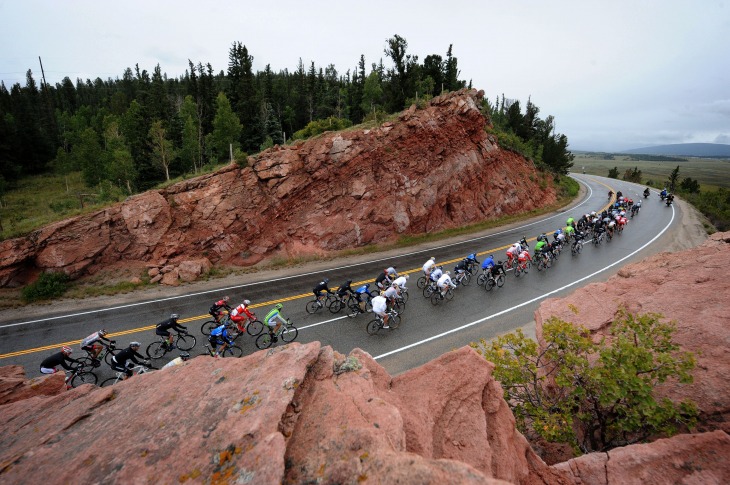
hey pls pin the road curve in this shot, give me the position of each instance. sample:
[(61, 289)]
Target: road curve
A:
[(426, 330)]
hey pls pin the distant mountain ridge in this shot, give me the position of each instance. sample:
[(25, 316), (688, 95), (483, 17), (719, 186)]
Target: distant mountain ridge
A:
[(710, 150)]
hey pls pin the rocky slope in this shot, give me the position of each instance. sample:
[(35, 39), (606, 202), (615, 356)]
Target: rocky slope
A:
[(431, 169)]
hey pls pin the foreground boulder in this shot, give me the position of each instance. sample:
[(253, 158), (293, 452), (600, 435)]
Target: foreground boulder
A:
[(690, 287), (297, 414), (438, 167)]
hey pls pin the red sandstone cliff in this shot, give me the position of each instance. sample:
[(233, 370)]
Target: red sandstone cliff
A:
[(431, 169)]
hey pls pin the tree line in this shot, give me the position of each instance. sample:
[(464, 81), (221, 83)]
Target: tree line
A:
[(129, 134)]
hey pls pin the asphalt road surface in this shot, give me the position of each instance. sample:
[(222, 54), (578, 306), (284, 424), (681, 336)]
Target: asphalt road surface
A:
[(426, 331)]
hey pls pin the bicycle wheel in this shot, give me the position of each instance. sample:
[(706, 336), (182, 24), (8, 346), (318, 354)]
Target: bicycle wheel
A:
[(83, 378), (421, 283), (110, 382), (185, 342), (313, 306), (109, 354), (449, 294), (500, 281), (549, 263), (289, 334), (264, 341), (156, 350), (466, 279), (404, 296), (254, 328), (579, 248), (373, 327), (394, 321), (518, 271), (540, 265), (206, 327), (436, 298), (428, 291), (481, 279), (336, 306), (232, 351)]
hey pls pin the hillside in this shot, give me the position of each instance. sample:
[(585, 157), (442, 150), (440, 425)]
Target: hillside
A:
[(706, 150), (431, 169)]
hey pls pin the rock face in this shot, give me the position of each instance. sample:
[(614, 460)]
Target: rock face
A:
[(690, 287), (296, 414), (437, 167)]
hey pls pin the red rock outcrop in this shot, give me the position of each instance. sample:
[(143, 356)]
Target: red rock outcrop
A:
[(431, 169), (295, 414), (690, 287), (15, 387)]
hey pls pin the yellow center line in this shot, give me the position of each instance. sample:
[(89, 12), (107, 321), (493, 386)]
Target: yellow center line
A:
[(259, 305)]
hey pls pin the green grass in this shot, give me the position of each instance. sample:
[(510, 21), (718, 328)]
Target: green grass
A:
[(710, 173)]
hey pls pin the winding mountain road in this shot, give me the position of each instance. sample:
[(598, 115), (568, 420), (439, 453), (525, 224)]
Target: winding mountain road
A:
[(426, 331)]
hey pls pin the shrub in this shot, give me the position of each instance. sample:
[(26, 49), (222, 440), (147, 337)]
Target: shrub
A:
[(46, 287), (595, 396)]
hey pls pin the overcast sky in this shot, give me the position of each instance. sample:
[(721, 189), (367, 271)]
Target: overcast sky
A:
[(615, 74)]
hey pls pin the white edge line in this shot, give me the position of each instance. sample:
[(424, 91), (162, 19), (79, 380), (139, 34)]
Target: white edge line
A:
[(415, 344), (72, 315)]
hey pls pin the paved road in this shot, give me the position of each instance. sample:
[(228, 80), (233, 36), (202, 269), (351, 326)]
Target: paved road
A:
[(426, 331)]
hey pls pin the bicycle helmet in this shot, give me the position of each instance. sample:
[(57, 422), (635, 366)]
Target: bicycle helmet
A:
[(406, 276), (326, 280), (174, 316), (135, 344), (184, 355), (279, 306), (433, 259), (66, 349), (102, 332), (226, 298), (448, 273), (246, 302)]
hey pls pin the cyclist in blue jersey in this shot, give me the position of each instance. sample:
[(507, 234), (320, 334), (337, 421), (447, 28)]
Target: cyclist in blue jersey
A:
[(219, 336)]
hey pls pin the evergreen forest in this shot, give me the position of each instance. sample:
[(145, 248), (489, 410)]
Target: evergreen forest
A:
[(129, 134)]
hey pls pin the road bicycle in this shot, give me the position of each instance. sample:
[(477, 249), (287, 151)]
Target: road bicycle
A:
[(437, 298), (320, 302), (429, 289), (597, 238), (182, 341), (229, 351), (491, 281), (421, 282), (106, 355), (340, 302), (544, 261), (120, 376), (377, 323), (523, 267), (463, 278), (79, 375), (576, 247), (287, 333)]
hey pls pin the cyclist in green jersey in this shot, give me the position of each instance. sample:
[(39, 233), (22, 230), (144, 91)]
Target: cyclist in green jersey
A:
[(275, 317)]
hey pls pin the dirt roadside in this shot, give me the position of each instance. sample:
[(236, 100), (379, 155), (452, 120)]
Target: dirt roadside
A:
[(688, 234)]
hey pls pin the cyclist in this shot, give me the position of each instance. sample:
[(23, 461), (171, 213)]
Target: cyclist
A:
[(391, 294), (345, 289), (488, 263), (274, 316), (569, 232), (219, 336), (382, 280), (119, 361), (512, 253), (570, 222), (610, 193), (401, 282), (380, 308), (541, 246), (436, 273), (359, 292), (471, 260), (320, 289), (444, 283), (48, 365), (215, 310), (392, 273), (94, 343), (663, 193), (428, 266), (646, 192), (184, 356), (523, 257), (610, 227), (460, 268), (241, 315), (163, 329)]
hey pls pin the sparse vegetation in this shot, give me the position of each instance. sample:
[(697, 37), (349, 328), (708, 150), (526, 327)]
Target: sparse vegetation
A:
[(46, 287)]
